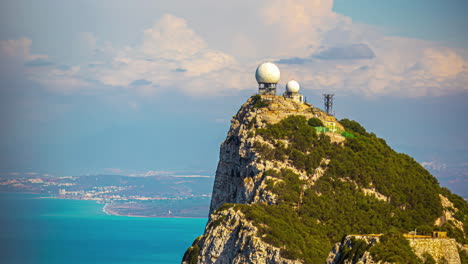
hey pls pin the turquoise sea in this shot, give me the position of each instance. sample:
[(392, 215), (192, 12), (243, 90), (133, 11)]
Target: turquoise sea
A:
[(52, 231)]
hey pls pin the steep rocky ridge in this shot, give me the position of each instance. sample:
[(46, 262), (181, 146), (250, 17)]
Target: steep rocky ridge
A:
[(239, 176), (289, 197), (235, 243), (356, 249)]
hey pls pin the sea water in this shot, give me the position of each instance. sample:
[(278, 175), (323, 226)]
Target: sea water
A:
[(39, 231)]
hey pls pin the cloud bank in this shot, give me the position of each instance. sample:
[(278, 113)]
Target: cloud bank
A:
[(320, 48)]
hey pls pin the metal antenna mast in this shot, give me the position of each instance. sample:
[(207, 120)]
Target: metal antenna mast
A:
[(328, 100)]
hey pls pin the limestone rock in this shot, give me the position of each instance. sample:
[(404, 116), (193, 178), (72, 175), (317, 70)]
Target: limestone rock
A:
[(438, 248), (230, 238), (239, 176)]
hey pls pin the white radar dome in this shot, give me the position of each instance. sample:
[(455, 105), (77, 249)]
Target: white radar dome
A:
[(267, 73), (292, 87)]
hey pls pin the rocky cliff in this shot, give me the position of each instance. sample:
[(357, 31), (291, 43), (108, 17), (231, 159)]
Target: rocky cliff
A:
[(357, 248), (284, 193), (240, 175)]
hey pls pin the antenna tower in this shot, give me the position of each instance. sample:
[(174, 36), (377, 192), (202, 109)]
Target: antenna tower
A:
[(328, 100)]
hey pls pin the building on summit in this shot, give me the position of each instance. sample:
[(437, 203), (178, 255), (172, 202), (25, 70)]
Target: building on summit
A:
[(267, 75), (292, 92)]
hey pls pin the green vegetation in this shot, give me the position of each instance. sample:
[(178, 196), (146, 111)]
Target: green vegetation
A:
[(461, 215), (394, 248), (443, 260), (191, 255), (258, 102), (218, 221), (463, 256), (428, 259), (306, 148), (307, 222), (315, 122), (353, 126), (347, 135), (354, 253)]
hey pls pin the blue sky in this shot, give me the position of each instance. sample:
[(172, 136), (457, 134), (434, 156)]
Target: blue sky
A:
[(134, 86)]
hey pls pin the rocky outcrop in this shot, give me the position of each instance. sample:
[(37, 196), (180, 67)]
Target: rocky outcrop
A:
[(240, 177), (337, 253), (447, 215), (230, 238), (441, 249), (438, 248)]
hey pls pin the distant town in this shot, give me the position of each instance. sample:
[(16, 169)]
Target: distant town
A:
[(154, 196)]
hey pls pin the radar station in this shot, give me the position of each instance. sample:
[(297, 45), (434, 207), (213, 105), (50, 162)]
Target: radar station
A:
[(292, 92), (267, 75)]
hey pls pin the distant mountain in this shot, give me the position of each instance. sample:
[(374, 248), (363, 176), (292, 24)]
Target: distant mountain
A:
[(294, 185)]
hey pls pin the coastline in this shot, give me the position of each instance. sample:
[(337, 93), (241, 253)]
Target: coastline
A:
[(105, 209), (108, 211)]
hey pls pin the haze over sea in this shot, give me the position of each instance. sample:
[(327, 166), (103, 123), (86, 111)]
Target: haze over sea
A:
[(52, 231)]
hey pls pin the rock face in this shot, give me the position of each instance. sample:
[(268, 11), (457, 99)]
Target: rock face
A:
[(447, 214), (232, 236), (336, 254), (236, 243), (441, 248), (438, 248), (239, 177)]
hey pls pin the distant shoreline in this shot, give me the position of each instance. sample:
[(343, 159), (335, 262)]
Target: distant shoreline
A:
[(107, 211), (105, 208)]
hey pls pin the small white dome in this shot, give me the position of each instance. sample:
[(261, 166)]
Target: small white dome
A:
[(267, 73), (292, 86)]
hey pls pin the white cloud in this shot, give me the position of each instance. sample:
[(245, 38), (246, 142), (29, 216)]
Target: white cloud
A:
[(173, 56), (19, 49), (302, 22), (443, 63), (434, 165), (14, 54), (171, 38), (17, 61)]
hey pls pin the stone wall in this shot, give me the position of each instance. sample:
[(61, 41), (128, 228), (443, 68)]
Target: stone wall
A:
[(438, 247)]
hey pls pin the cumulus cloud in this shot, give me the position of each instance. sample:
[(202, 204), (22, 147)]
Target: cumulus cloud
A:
[(15, 56), (322, 49), (19, 49), (299, 25), (172, 39), (172, 55), (442, 63), (17, 61)]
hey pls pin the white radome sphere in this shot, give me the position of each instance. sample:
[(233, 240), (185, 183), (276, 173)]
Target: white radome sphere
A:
[(267, 73), (292, 86)]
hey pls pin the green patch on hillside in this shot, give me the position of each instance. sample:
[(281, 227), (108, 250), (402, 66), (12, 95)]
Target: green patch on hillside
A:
[(461, 215), (305, 224), (353, 252), (394, 248), (258, 102)]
